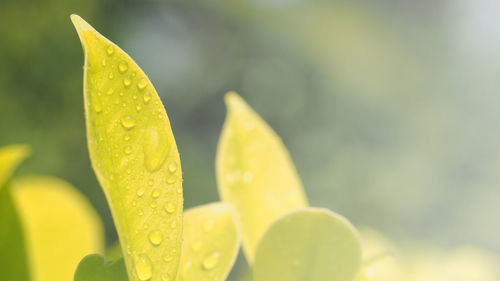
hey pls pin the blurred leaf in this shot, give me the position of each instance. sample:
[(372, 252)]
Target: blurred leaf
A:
[(10, 158), (308, 245), (134, 156), (255, 172), (97, 268), (60, 226), (211, 242), (13, 256)]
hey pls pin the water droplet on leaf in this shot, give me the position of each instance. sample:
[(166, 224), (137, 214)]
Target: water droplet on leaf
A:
[(143, 267), (211, 261), (147, 97), (141, 85), (170, 208), (155, 237), (128, 122), (127, 82), (110, 50), (123, 67)]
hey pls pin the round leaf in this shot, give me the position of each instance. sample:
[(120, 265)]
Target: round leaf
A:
[(308, 245)]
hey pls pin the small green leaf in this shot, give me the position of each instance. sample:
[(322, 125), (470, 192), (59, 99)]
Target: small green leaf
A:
[(211, 242), (10, 158), (97, 268), (255, 172), (134, 155), (60, 226), (13, 255), (308, 245)]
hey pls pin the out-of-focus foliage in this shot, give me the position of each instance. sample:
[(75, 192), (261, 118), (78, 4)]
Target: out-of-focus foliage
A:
[(13, 255), (388, 107), (59, 225), (255, 172), (134, 156), (96, 268), (308, 244)]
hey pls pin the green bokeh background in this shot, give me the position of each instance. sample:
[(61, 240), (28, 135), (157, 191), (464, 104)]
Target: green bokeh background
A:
[(389, 108)]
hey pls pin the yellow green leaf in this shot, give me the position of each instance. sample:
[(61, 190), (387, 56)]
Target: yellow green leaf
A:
[(211, 242), (255, 172), (60, 226), (13, 255), (308, 245), (134, 155)]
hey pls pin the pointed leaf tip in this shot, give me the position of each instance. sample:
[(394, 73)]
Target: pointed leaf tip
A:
[(80, 24)]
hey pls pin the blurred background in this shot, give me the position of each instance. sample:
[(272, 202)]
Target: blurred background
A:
[(388, 108)]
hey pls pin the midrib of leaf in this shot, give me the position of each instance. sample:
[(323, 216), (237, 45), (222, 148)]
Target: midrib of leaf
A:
[(133, 150)]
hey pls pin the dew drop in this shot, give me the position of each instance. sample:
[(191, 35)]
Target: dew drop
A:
[(147, 97), (179, 190), (140, 191), (155, 237), (128, 122), (140, 213), (168, 258), (111, 76), (121, 94), (153, 204), (141, 85), (138, 107), (128, 149), (172, 167), (123, 67), (126, 137), (208, 225), (127, 82), (171, 179), (156, 147), (173, 224), (110, 50), (109, 92), (143, 267), (103, 63), (211, 261), (170, 207), (150, 182), (156, 193)]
